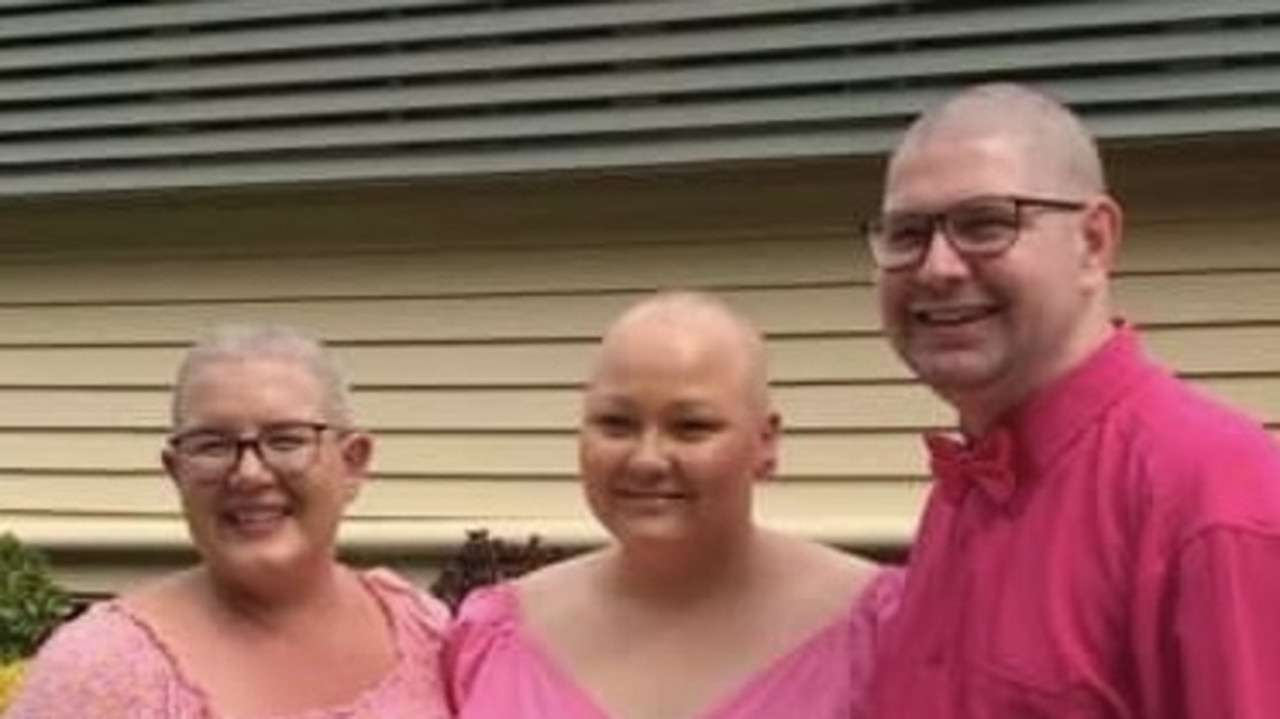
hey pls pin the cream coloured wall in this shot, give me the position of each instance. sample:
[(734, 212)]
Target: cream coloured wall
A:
[(466, 315)]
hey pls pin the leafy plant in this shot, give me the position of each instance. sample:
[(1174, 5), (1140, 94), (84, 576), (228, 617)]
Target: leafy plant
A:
[(31, 603), (483, 560)]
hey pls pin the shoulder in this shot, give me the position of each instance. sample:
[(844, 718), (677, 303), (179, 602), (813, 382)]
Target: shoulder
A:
[(491, 605), (815, 585), (491, 618), (486, 621), (825, 579), (872, 590), (1169, 417), (817, 569), (104, 663), (97, 637), (404, 598), (544, 589), (1199, 460)]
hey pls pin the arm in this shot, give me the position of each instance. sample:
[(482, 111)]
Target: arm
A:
[(1227, 624)]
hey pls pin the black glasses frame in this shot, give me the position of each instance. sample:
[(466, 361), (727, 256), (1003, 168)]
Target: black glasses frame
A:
[(874, 230), (254, 442)]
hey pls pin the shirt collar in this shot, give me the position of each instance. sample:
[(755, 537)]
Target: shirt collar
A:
[(1049, 421), (1038, 431)]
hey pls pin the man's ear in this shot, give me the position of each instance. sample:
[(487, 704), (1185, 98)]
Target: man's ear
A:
[(357, 458), (1103, 231)]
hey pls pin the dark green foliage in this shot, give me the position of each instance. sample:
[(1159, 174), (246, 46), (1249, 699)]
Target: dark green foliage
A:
[(31, 604), (482, 560)]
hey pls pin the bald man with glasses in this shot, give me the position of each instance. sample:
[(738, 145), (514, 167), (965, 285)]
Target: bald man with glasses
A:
[(1101, 541)]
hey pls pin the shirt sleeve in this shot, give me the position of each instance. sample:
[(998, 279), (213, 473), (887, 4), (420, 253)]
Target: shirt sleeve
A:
[(1227, 625), (484, 618), (876, 607), (100, 665)]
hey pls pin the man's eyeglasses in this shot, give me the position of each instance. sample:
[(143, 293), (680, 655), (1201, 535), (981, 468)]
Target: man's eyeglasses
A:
[(980, 227), (210, 455)]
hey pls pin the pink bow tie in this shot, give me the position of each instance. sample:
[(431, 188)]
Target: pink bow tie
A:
[(987, 463)]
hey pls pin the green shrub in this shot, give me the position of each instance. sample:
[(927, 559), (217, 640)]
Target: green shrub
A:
[(31, 604)]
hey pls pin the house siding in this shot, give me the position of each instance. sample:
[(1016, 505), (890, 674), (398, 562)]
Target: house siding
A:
[(466, 314)]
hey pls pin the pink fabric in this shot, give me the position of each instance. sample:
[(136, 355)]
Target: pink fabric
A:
[(500, 672), (1134, 574), (107, 664)]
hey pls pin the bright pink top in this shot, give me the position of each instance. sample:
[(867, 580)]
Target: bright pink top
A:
[(501, 672), (108, 664), (1133, 574)]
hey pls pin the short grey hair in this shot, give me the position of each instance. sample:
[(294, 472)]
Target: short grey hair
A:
[(269, 341)]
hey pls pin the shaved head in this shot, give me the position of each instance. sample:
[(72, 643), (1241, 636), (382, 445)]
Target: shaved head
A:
[(1048, 135), (698, 318)]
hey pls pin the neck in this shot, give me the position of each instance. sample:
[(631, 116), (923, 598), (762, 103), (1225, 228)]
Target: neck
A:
[(278, 601), (677, 573), (984, 408)]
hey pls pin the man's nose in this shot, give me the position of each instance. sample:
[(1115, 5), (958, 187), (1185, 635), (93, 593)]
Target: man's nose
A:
[(941, 260)]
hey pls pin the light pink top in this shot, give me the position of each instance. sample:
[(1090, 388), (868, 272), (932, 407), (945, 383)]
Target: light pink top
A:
[(1133, 574), (108, 664), (499, 671)]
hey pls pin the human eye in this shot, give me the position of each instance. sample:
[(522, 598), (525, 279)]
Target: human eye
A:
[(696, 427), (287, 439), (907, 232), (612, 423), (983, 224), (205, 444)]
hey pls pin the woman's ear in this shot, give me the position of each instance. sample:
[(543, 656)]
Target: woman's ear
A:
[(770, 434), (357, 458)]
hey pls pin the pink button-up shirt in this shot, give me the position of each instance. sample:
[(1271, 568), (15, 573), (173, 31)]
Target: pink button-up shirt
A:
[(1134, 573)]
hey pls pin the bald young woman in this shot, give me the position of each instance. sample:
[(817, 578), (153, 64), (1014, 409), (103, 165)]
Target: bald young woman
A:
[(692, 611), (1100, 541)]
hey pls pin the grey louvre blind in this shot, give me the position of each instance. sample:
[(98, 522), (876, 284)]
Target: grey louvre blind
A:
[(109, 96)]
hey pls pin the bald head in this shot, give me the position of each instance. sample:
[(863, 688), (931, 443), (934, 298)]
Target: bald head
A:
[(691, 322), (1049, 137)]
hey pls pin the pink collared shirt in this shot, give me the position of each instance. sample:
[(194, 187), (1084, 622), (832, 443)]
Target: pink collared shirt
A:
[(1134, 573)]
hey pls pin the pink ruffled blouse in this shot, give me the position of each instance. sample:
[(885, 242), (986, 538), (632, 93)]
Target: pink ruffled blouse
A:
[(108, 663), (499, 671)]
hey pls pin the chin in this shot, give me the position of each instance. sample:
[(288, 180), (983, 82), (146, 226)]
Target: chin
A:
[(953, 371), (651, 531)]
